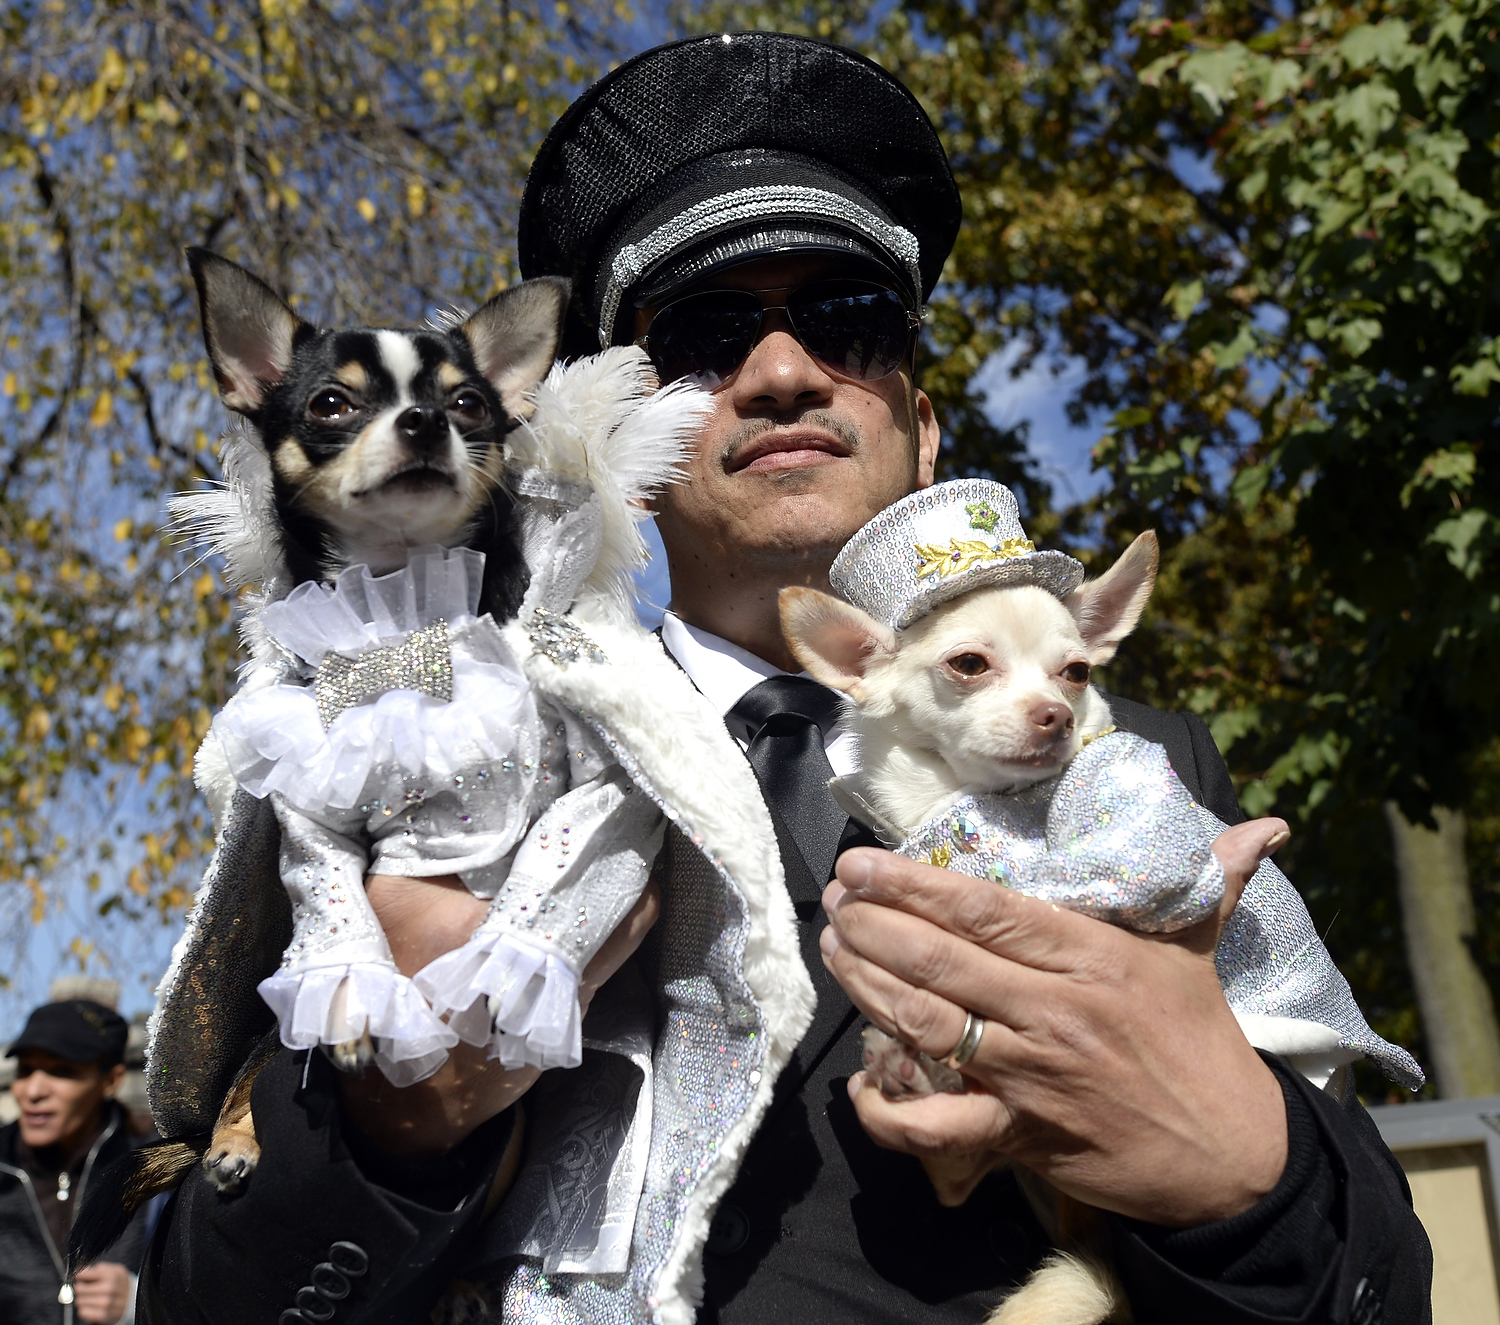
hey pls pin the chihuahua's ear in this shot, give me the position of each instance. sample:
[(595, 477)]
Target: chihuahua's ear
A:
[(1107, 609), (249, 332), (515, 338), (833, 640)]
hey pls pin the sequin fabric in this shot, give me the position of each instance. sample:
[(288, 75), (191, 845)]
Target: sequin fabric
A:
[(208, 1014), (1270, 960), (561, 639), (422, 662), (710, 1052), (941, 542), (1115, 835), (738, 207)]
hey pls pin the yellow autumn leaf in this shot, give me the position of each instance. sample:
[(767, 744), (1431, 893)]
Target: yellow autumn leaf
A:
[(366, 208), (104, 409), (416, 198), (37, 725), (203, 586), (123, 529), (8, 386), (136, 739), (24, 583), (136, 881), (114, 696)]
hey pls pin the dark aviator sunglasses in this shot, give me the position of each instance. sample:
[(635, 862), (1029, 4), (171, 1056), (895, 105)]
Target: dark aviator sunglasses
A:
[(859, 329)]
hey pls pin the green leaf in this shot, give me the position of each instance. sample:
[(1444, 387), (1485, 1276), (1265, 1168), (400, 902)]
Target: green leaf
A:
[(1249, 484), (1226, 728), (1387, 44), (1183, 297), (1466, 537), (1154, 72), (1130, 418), (1213, 74), (1358, 334), (1154, 476), (1370, 109), (1231, 355)]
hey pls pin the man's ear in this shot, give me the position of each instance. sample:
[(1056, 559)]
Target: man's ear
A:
[(515, 338), (249, 332), (1107, 609), (833, 640)]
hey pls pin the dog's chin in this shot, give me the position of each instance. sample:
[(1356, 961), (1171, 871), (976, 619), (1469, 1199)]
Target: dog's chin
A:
[(1021, 769), (416, 507), (412, 481)]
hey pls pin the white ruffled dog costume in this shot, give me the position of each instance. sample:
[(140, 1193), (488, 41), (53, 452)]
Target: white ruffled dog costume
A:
[(394, 730)]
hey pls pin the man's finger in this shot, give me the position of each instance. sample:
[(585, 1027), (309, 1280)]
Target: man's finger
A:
[(1240, 850), (914, 1016), (1037, 934), (934, 1021), (941, 1124)]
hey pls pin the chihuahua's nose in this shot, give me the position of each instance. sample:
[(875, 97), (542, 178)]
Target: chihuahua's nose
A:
[(1054, 720), (421, 427)]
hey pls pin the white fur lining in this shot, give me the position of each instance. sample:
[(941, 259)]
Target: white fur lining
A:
[(726, 818), (1309, 1047), (601, 421)]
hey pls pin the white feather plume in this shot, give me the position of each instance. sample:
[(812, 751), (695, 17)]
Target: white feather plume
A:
[(601, 420)]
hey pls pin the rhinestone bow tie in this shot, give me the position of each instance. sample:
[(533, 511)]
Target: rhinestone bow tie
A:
[(421, 662)]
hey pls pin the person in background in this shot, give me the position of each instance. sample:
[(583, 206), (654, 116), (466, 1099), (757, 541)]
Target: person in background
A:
[(70, 1062)]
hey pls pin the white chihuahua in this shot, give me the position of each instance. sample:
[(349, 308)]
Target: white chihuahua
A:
[(987, 692)]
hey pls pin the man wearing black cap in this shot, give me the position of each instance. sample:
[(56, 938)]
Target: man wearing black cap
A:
[(70, 1062), (767, 215)]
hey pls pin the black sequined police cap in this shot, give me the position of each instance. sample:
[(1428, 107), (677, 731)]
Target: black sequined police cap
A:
[(700, 154)]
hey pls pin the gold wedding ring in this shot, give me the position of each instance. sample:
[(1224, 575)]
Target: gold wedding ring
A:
[(968, 1042)]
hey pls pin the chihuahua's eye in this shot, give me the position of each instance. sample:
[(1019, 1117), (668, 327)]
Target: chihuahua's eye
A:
[(1077, 673), (330, 404), (969, 664), (470, 404)]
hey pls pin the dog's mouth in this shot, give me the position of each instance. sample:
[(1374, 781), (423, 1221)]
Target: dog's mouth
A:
[(419, 476)]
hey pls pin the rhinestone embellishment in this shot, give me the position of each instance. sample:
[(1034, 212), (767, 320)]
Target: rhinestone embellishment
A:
[(965, 833), (422, 662), (561, 639)]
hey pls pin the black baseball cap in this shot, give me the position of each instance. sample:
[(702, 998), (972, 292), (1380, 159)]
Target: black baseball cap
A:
[(77, 1029), (714, 151)]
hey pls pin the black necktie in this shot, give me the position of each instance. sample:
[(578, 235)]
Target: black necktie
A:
[(786, 719)]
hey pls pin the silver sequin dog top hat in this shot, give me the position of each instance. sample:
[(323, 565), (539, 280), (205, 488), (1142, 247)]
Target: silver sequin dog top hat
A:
[(942, 542), (705, 153)]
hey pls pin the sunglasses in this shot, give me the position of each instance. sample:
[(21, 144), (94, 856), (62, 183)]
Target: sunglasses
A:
[(857, 328)]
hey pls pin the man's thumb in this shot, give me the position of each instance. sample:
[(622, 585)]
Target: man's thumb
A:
[(1240, 850)]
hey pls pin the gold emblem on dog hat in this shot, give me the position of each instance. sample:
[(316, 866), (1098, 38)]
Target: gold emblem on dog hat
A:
[(936, 544)]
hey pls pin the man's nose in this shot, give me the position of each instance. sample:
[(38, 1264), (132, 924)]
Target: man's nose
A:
[(423, 427), (1052, 719), (780, 374)]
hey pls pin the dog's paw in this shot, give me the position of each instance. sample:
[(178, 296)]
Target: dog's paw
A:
[(464, 1303), (902, 1072), (230, 1160), (353, 1056)]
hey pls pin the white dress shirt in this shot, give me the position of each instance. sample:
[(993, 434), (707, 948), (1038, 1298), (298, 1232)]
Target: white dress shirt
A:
[(724, 672)]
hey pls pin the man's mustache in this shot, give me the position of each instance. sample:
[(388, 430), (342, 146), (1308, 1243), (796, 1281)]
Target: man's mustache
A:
[(825, 420)]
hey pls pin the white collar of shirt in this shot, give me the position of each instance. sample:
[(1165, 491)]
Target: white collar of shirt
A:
[(724, 672)]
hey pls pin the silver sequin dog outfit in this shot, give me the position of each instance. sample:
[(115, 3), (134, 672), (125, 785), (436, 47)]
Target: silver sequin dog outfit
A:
[(1115, 835)]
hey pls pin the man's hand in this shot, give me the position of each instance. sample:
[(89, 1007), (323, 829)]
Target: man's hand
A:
[(101, 1292), (422, 919), (1110, 1063)]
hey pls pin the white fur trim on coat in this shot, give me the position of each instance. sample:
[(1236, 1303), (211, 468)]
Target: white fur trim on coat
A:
[(726, 818)]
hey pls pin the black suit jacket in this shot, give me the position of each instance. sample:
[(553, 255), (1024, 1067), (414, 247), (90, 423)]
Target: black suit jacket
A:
[(821, 1225)]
